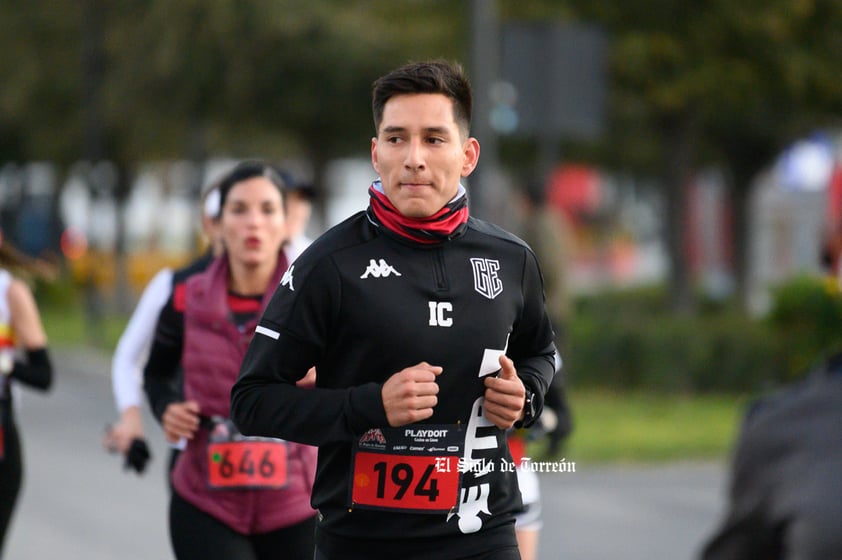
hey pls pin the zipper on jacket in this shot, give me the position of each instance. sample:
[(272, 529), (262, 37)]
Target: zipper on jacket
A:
[(440, 271)]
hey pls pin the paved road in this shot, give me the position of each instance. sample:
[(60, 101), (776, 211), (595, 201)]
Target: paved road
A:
[(77, 502), (630, 513)]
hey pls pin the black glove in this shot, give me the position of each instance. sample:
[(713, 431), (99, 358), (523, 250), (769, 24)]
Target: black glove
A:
[(137, 456)]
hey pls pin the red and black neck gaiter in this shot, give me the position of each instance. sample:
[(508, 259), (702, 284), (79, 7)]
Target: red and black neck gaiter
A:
[(449, 222)]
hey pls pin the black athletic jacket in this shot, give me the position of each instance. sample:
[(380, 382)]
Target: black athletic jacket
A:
[(361, 304)]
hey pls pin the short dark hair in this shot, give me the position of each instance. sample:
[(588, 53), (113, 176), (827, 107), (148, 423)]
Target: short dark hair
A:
[(435, 76), (245, 170)]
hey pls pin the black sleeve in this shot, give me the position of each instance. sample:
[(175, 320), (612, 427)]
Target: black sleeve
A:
[(265, 400), (161, 372), (531, 345), (37, 371)]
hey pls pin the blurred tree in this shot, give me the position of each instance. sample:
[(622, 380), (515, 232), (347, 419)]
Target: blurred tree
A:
[(693, 83), (39, 77), (716, 82), (130, 81), (719, 82), (276, 79), (155, 79)]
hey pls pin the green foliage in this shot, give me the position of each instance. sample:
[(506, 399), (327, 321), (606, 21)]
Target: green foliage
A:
[(59, 294), (630, 340), (807, 317), (269, 78), (645, 426), (72, 317), (646, 299)]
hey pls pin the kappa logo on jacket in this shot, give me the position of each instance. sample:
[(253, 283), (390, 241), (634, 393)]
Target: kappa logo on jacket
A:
[(379, 269)]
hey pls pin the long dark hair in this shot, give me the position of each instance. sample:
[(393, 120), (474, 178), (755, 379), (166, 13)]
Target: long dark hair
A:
[(21, 264)]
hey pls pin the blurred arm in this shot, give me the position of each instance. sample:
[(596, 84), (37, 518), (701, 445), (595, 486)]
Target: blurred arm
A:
[(37, 370), (133, 347)]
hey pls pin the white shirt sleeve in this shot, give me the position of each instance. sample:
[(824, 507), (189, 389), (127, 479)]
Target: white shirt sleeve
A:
[(133, 347), (295, 247)]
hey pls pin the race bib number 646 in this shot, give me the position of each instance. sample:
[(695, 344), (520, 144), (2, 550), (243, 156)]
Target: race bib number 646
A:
[(236, 461), (247, 464)]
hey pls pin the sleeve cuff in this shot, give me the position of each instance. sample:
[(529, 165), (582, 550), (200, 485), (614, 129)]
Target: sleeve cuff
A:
[(161, 407), (367, 408), (532, 386)]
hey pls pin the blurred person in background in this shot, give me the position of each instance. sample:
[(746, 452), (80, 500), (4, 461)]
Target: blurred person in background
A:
[(785, 495), (24, 359), (299, 199), (233, 497), (127, 435), (547, 233)]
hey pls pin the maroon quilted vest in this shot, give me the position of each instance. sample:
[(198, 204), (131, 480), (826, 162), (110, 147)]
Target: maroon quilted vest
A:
[(213, 349)]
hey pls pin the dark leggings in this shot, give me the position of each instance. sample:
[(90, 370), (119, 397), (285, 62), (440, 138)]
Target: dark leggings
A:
[(195, 535), (11, 476)]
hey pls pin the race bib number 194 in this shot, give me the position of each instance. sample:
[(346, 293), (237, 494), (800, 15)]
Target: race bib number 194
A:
[(409, 469)]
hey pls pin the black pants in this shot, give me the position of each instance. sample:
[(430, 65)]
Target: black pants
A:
[(11, 477), (195, 535)]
